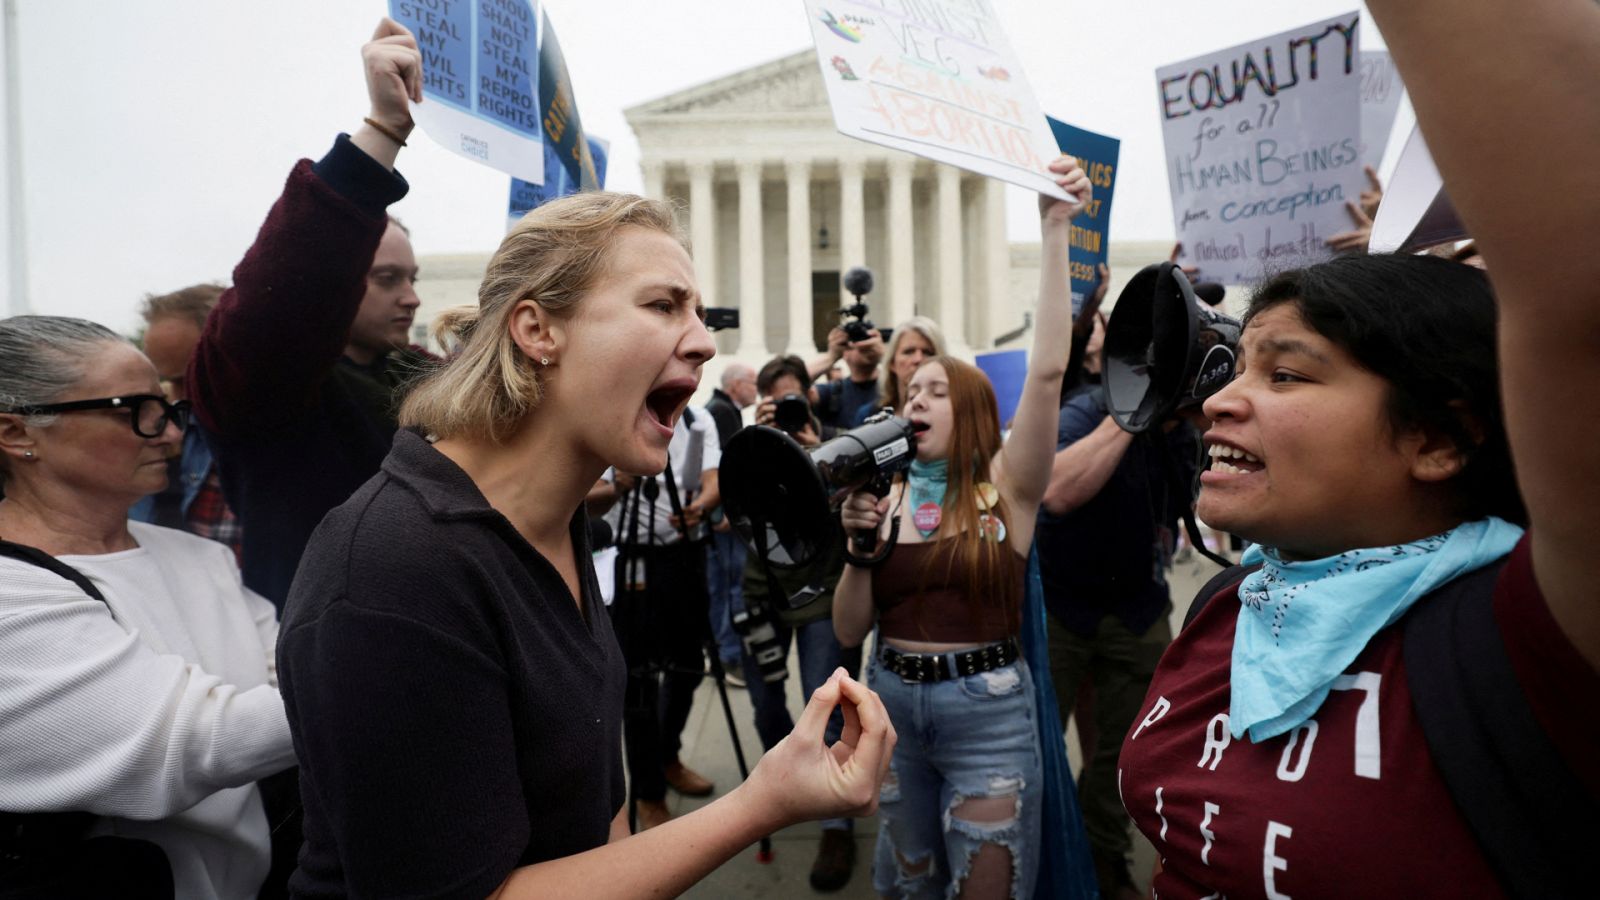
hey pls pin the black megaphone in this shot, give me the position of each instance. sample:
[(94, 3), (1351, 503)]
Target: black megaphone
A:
[(1164, 350), (782, 497)]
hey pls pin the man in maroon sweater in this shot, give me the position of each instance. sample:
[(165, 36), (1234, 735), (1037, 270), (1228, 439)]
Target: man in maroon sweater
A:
[(299, 369)]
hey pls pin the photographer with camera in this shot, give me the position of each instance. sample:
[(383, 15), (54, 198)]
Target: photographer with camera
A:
[(859, 344), (769, 627), (662, 609)]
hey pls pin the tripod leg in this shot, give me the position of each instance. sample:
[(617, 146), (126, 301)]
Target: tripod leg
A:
[(714, 656)]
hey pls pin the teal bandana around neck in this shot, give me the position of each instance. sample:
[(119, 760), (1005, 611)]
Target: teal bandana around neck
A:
[(927, 482), (1301, 623)]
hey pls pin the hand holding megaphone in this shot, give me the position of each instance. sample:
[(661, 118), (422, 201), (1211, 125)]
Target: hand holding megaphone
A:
[(863, 513)]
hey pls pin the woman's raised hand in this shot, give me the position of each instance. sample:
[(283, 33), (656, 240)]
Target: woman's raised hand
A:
[(803, 778), (1070, 177), (393, 66)]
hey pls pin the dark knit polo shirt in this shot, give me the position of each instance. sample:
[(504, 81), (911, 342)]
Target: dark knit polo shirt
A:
[(454, 713)]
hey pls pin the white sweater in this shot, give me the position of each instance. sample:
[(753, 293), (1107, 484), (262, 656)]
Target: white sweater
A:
[(159, 718)]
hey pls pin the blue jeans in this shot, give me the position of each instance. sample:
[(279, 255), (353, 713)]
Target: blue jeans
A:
[(819, 656), (971, 738), (724, 582)]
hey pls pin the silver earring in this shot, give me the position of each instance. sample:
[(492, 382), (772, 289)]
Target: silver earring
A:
[(544, 360), (27, 454)]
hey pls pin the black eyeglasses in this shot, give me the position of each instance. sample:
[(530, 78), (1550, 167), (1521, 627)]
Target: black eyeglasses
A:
[(149, 413)]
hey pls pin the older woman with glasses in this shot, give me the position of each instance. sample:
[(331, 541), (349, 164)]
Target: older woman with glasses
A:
[(138, 696)]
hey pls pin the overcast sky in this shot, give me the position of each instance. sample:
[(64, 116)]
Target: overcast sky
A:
[(156, 134)]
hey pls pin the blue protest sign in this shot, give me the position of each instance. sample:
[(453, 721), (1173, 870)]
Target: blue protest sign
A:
[(1091, 229), (1007, 370), (480, 79), (572, 162)]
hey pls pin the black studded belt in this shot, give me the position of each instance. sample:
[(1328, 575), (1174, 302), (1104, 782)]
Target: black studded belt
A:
[(941, 666)]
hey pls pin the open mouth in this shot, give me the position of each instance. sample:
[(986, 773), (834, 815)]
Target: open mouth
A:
[(1233, 461), (918, 426), (666, 402)]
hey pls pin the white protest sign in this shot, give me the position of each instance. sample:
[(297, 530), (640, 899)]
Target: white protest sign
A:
[(1263, 145), (936, 78), (1415, 213), (1380, 102), (480, 69)]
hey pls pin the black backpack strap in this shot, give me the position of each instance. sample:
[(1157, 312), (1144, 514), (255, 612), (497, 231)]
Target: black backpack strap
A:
[(1530, 814), (43, 560), (1229, 577)]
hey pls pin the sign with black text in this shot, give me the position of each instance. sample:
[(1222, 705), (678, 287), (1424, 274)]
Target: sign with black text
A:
[(480, 76), (1263, 146)]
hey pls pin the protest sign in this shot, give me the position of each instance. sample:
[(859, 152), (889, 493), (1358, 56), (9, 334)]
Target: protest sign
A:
[(1415, 213), (480, 79), (1380, 102), (936, 78), (1091, 228), (1263, 145), (558, 182), (570, 163), (1007, 370)]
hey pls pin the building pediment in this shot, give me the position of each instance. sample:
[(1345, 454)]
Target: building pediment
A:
[(786, 86)]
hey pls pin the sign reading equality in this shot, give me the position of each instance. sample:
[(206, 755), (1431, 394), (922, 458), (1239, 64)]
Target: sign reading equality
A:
[(480, 79), (1263, 145), (936, 78), (1091, 228)]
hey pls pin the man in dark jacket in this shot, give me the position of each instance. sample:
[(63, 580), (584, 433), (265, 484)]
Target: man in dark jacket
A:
[(300, 367)]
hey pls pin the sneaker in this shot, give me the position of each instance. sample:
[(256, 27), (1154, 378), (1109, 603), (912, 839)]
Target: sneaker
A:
[(836, 859), (733, 676), (685, 780)]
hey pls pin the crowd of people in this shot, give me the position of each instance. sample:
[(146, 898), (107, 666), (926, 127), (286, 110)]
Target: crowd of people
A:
[(329, 623)]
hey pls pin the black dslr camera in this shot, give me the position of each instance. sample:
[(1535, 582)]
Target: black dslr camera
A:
[(791, 414)]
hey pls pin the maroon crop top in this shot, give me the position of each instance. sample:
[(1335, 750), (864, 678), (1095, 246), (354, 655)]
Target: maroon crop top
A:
[(921, 596)]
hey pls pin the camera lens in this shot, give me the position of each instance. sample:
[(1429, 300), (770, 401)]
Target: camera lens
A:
[(792, 413)]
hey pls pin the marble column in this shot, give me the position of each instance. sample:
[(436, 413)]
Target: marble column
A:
[(703, 229), (952, 298), (901, 277), (655, 180), (752, 286), (997, 259), (802, 342), (852, 217)]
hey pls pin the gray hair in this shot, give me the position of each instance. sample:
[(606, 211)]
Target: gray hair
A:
[(736, 371), (44, 358)]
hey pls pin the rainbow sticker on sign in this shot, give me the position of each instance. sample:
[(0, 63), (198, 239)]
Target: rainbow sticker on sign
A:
[(842, 29)]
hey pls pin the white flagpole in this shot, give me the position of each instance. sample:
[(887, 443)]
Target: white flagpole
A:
[(16, 223)]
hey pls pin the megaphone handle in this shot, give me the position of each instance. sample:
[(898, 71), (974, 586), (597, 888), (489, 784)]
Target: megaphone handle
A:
[(876, 559), (863, 542)]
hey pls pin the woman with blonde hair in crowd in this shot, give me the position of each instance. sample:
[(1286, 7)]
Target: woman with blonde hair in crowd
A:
[(961, 811), (453, 684), (914, 342)]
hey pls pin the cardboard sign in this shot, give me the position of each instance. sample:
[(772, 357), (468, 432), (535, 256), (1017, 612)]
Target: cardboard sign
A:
[(1380, 102), (1007, 370), (1263, 145), (936, 78), (572, 162), (1415, 213), (480, 79), (1091, 228)]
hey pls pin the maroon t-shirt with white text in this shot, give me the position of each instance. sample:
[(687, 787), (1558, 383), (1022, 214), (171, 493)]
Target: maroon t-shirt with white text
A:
[(1348, 804)]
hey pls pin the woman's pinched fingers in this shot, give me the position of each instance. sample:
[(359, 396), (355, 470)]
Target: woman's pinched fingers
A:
[(814, 718), (875, 746)]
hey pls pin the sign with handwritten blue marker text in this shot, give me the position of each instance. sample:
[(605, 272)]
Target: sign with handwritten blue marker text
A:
[(572, 162), (1380, 103), (936, 78), (1091, 228), (480, 79), (1263, 145)]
